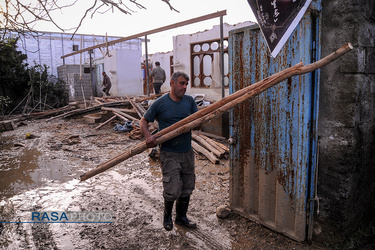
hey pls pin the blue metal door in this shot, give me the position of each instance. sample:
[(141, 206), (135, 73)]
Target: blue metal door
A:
[(273, 159)]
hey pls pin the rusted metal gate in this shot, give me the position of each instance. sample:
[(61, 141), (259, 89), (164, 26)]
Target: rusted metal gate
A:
[(274, 157)]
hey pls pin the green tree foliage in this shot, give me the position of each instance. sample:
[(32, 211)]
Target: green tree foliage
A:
[(46, 89), (13, 69), (4, 103), (18, 80)]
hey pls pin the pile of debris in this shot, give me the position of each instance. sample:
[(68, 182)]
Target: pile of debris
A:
[(124, 114), (122, 108)]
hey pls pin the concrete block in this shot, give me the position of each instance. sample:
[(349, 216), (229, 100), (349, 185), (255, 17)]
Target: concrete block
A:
[(7, 125), (370, 61), (366, 35), (354, 62)]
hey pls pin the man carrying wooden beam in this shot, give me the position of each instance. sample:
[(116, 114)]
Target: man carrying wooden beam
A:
[(176, 155)]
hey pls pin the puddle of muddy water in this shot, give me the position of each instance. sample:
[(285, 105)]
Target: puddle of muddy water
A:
[(22, 169), (71, 196)]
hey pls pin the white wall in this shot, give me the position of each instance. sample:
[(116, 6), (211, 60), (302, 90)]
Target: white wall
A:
[(124, 69), (182, 57), (181, 51), (164, 59)]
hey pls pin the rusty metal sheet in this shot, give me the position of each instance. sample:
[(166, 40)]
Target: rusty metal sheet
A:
[(271, 161)]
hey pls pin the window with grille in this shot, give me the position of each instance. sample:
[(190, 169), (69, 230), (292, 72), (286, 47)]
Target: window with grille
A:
[(205, 58)]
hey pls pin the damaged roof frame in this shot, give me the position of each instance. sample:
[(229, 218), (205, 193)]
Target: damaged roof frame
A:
[(164, 28)]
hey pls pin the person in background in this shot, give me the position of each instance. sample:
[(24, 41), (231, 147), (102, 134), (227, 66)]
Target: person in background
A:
[(176, 155), (159, 77), (106, 84)]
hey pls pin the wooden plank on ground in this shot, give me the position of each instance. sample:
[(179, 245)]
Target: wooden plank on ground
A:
[(210, 156), (106, 122)]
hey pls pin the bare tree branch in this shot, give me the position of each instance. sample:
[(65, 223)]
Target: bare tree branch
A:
[(48, 14), (80, 23), (109, 2), (170, 6), (21, 16), (137, 4)]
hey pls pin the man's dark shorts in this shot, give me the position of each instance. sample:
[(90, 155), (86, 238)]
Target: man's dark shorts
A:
[(178, 174)]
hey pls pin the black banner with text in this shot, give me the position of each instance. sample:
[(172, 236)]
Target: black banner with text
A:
[(277, 19)]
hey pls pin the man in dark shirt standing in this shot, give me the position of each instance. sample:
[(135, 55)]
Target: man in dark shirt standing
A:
[(176, 155), (158, 75)]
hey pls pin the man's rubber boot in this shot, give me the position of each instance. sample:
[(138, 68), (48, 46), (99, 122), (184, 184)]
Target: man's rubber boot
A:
[(182, 205), (168, 207)]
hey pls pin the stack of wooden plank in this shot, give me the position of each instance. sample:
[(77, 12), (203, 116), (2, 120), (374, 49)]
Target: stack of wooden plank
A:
[(210, 148)]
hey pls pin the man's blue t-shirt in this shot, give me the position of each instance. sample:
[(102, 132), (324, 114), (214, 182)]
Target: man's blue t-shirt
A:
[(167, 112)]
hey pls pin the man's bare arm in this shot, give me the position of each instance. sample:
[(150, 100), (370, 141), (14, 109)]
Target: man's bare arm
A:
[(150, 139)]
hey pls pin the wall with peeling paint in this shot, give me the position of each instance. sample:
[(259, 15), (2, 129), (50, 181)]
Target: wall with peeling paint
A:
[(346, 181)]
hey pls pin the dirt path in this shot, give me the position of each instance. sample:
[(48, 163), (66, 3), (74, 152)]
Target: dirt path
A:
[(41, 174)]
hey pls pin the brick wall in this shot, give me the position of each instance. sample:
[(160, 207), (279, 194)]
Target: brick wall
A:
[(75, 82)]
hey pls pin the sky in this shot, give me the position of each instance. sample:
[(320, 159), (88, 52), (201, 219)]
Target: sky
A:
[(157, 15)]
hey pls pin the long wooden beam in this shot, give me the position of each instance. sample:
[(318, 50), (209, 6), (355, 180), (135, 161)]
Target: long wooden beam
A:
[(187, 124), (153, 31)]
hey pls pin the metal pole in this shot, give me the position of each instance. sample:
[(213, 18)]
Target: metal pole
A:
[(91, 74), (40, 93), (222, 57), (147, 78), (62, 47)]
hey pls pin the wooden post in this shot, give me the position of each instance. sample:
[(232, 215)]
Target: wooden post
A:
[(106, 122), (120, 116), (134, 107)]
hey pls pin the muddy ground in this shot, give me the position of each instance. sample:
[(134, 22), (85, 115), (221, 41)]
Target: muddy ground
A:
[(41, 173)]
